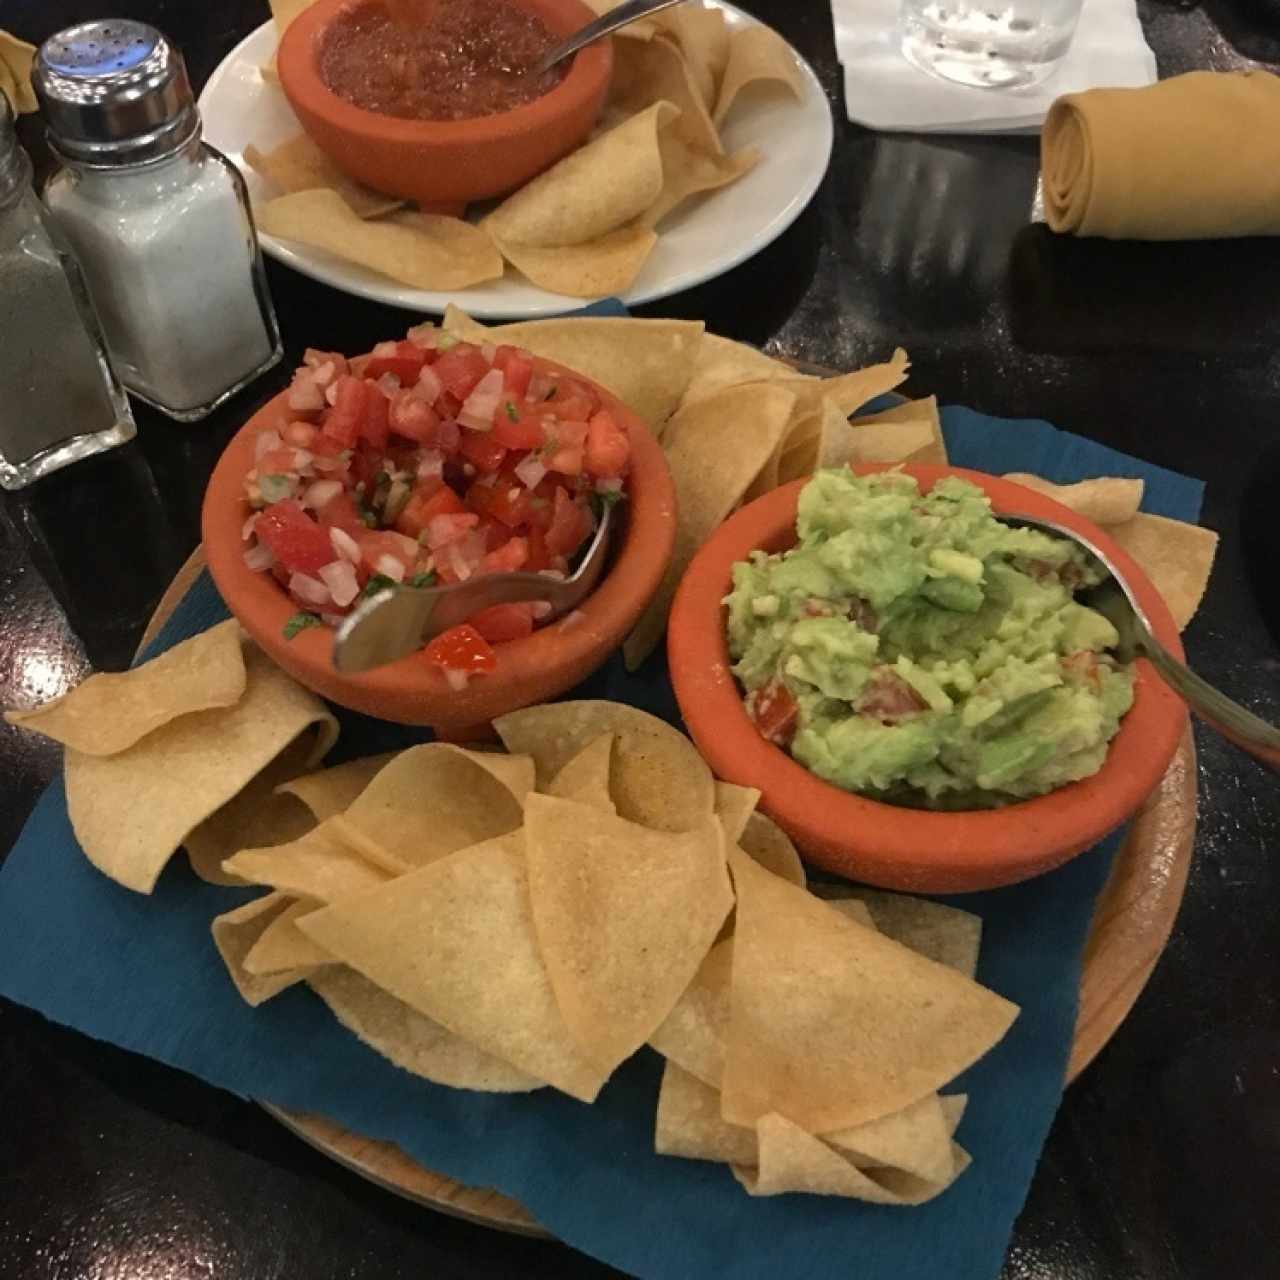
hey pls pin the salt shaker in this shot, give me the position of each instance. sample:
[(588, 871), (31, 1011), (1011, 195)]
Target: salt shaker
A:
[(59, 400), (159, 220)]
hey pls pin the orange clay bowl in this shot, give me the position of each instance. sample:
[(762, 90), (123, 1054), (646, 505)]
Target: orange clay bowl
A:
[(540, 666), (883, 844), (444, 162)]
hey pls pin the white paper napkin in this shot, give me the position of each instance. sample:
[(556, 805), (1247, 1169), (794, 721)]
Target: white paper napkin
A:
[(882, 90)]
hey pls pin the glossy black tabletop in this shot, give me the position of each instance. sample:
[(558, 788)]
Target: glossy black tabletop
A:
[(1164, 1161)]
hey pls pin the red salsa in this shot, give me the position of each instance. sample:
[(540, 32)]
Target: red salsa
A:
[(464, 58), (429, 461)]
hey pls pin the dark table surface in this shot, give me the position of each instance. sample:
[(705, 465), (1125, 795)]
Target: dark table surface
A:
[(1164, 1160)]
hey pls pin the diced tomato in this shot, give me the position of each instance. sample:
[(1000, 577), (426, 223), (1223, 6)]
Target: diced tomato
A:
[(449, 527), (403, 359), (514, 429), (460, 368), (428, 499), (517, 369), (505, 500), (340, 513), (378, 543), (461, 649), (297, 542), (447, 405), (359, 412), (502, 622), (539, 556), (774, 712), (375, 425), (573, 402), (608, 448), (413, 418), (570, 524), (887, 697), (495, 534), (481, 450), (508, 558), (570, 443)]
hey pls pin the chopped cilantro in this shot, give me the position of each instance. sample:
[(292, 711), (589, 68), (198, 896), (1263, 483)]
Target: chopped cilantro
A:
[(300, 622), (511, 412), (422, 580), (274, 487), (377, 582)]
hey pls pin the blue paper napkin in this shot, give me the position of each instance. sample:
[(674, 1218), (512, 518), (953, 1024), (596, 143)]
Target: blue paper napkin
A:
[(142, 973)]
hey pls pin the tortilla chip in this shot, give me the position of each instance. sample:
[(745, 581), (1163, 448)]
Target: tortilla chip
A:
[(953, 1108), (687, 172), (284, 12), (624, 916), (645, 363), (766, 842), (110, 711), (848, 392), (882, 1029), (715, 447), (689, 1124), (734, 807), (1104, 500), (425, 250), (657, 778), (693, 1034), (433, 799), (283, 947), (646, 72), (586, 777), (909, 411), (410, 1039), (703, 38), (724, 363), (596, 268), (16, 57), (320, 866), (131, 811), (332, 790), (945, 935), (757, 54), (455, 941), (1177, 557), (236, 932), (916, 1140), (594, 190), (790, 1159), (842, 443), (300, 165)]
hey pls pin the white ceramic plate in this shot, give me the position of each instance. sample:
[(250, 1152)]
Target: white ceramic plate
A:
[(710, 236)]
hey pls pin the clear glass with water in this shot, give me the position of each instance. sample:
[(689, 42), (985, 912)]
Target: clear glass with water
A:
[(989, 44)]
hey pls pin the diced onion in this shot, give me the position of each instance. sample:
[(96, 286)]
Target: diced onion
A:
[(333, 619), (329, 462), (384, 349), (340, 578), (265, 443), (457, 680), (424, 335), (390, 567), (458, 561), (246, 529), (530, 471), (321, 492), (258, 557), (309, 589), (331, 393), (540, 609), (344, 544), (305, 394), (479, 407), (428, 387), (488, 350), (388, 384), (612, 485), (430, 464)]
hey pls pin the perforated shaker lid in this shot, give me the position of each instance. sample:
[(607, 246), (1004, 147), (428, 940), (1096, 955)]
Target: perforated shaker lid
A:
[(114, 91)]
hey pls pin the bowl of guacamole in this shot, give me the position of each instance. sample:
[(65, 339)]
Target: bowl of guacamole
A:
[(912, 684)]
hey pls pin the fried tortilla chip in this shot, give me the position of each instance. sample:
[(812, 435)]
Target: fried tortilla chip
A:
[(330, 791), (319, 866), (284, 12), (953, 1108), (624, 916), (586, 777), (723, 363), (283, 947), (1104, 500), (235, 934), (593, 191), (689, 1124), (596, 268), (881, 1030), (658, 779), (757, 55), (455, 941), (938, 932), (16, 57), (851, 391), (916, 1140), (110, 711), (132, 810), (734, 807), (687, 172), (645, 363), (647, 72), (766, 842), (908, 412), (425, 250), (1177, 557), (715, 446), (703, 39), (300, 165), (842, 443), (693, 1034), (412, 1040)]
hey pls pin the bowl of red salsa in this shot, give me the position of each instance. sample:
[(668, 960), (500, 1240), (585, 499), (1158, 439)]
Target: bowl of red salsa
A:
[(429, 461), (441, 107)]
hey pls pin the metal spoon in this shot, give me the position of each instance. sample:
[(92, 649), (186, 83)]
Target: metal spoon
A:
[(1114, 599), (399, 620), (604, 25)]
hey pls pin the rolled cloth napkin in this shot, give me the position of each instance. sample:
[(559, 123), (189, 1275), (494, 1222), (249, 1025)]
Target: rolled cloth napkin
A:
[(1196, 157), (15, 72)]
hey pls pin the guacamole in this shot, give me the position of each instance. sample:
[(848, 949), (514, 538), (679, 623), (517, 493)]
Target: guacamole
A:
[(915, 649)]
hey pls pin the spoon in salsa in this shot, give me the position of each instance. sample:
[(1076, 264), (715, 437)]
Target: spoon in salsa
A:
[(623, 15)]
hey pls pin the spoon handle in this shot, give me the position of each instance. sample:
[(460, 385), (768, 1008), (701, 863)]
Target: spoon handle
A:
[(631, 11), (1229, 718)]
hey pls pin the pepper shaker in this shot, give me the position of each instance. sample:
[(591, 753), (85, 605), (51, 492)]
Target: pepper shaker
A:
[(159, 220), (59, 400)]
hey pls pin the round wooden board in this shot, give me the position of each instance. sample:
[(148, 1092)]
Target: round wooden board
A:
[(1131, 925)]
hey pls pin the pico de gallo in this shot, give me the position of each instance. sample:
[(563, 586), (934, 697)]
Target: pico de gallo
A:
[(426, 462)]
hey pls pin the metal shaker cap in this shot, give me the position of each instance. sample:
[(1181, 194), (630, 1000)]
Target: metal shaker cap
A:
[(114, 92)]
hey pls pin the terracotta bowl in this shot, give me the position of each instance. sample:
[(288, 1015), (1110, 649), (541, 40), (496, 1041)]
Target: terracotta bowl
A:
[(888, 845), (534, 669), (444, 162)]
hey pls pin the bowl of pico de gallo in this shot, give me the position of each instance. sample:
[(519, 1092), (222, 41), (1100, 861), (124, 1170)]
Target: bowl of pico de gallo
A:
[(427, 461)]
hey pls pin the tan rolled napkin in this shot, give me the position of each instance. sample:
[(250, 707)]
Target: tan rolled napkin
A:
[(16, 57), (1196, 157)]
